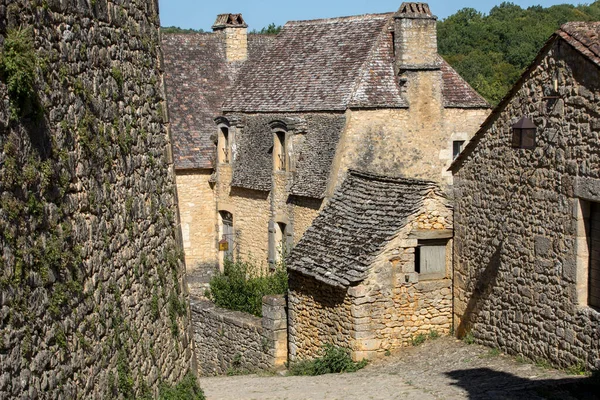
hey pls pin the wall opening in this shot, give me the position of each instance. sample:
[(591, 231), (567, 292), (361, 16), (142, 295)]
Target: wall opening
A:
[(430, 259), (280, 152), (226, 238), (588, 254), (224, 143), (457, 148)]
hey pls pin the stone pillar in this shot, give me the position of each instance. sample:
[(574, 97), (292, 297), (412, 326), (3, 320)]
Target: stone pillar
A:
[(274, 323)]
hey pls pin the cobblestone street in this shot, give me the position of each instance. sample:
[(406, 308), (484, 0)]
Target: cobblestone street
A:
[(440, 369)]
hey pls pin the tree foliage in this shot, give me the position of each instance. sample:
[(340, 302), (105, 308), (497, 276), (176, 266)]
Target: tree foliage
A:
[(176, 29), (491, 51)]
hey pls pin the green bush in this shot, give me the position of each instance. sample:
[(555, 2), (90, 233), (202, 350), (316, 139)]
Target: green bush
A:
[(334, 360), (242, 286), (187, 388), (18, 63)]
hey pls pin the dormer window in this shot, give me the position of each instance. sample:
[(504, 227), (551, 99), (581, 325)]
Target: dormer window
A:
[(523, 134), (280, 152), (224, 144)]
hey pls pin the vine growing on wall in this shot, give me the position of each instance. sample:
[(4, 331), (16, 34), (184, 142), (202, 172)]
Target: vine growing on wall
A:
[(18, 62)]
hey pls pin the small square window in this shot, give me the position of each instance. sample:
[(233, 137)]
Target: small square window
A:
[(457, 148), (430, 259)]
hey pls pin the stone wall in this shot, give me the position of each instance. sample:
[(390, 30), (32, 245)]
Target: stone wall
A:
[(197, 209), (234, 341), (415, 142), (236, 43), (516, 275), (92, 297), (318, 314)]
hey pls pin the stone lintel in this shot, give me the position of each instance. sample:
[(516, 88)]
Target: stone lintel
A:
[(431, 234)]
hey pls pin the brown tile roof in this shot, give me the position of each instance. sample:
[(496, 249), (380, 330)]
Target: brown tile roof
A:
[(363, 215), (331, 65), (457, 92), (583, 36), (197, 78), (312, 66)]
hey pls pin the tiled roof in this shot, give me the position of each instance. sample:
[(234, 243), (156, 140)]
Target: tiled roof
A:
[(197, 78), (364, 214), (457, 92), (378, 85), (312, 66), (315, 150), (585, 37)]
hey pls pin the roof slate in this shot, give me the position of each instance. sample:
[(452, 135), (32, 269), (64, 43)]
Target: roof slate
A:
[(364, 214), (253, 164), (312, 66), (457, 92), (585, 37), (197, 78)]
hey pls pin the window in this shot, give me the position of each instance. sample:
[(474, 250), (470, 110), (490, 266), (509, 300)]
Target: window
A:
[(457, 147), (430, 259), (226, 237), (279, 155), (588, 254), (280, 241), (224, 150), (523, 136)]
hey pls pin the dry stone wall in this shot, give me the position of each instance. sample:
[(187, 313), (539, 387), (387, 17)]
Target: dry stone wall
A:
[(92, 300), (516, 273), (229, 341)]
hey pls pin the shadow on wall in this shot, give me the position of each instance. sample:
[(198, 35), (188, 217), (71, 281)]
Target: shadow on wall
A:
[(483, 289), (484, 383)]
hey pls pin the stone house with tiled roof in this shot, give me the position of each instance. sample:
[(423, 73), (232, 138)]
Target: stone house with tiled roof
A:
[(527, 215), (366, 92), (372, 271), (199, 71)]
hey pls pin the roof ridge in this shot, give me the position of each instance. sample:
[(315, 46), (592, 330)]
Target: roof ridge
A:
[(350, 18), (387, 178)]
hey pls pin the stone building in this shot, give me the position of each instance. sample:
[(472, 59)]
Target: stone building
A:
[(526, 272), (199, 70), (374, 268), (366, 92)]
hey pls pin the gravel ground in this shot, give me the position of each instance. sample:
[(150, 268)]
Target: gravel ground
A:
[(439, 369)]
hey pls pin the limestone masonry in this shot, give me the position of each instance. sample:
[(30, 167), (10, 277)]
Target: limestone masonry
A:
[(93, 302), (527, 272)]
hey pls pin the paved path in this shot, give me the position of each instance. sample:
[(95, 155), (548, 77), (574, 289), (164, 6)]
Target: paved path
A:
[(440, 369)]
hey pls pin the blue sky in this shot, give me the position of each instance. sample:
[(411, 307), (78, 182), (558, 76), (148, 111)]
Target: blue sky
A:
[(259, 13)]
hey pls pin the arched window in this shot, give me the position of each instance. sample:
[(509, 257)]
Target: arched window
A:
[(224, 146), (280, 152)]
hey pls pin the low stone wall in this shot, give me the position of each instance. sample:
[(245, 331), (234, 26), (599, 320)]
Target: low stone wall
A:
[(228, 340)]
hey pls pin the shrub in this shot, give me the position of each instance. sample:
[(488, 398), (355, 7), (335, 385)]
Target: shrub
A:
[(18, 63), (242, 286), (419, 339), (334, 360), (187, 388)]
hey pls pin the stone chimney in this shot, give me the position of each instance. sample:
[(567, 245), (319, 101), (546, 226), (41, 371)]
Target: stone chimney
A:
[(415, 38), (236, 35)]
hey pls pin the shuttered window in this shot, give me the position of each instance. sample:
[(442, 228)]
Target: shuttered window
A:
[(430, 259)]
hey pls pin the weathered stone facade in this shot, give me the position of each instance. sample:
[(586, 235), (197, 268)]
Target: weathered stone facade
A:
[(197, 207), (520, 266), (92, 296), (235, 341), (385, 303)]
